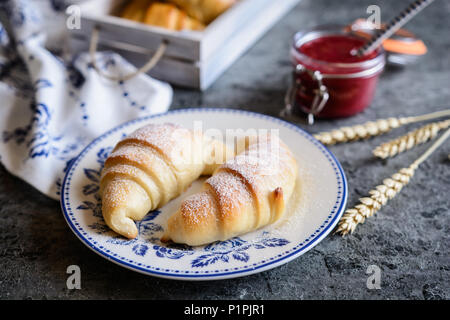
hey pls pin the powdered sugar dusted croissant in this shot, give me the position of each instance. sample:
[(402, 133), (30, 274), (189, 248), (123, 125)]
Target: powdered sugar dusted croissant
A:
[(244, 194), (151, 166)]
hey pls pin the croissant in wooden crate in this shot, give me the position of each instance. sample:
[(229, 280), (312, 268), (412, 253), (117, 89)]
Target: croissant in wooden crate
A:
[(244, 194), (170, 17), (164, 15), (135, 10), (151, 166), (204, 10)]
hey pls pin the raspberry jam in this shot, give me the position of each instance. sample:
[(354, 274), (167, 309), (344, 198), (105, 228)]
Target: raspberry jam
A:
[(335, 48), (329, 81)]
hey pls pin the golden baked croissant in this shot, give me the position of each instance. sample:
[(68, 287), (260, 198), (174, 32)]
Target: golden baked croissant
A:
[(135, 10), (170, 17), (151, 166), (160, 14), (204, 10), (244, 194)]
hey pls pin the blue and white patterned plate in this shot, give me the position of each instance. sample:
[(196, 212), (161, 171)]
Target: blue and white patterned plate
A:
[(313, 211)]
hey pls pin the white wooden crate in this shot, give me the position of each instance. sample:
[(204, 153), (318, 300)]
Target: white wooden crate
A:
[(192, 59)]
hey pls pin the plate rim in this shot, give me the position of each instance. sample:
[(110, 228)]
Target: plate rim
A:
[(315, 238)]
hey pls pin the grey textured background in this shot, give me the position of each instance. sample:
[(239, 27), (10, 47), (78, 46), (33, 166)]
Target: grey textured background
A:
[(408, 239)]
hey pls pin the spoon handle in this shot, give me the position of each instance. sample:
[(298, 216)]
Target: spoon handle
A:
[(395, 24)]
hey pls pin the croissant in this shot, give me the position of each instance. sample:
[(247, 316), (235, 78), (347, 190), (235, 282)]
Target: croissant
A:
[(204, 10), (170, 17), (135, 10), (151, 166), (244, 194)]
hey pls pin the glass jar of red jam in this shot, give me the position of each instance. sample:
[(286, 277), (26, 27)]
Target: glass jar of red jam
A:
[(329, 81)]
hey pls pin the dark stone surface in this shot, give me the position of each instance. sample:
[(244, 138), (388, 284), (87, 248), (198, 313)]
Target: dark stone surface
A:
[(408, 239)]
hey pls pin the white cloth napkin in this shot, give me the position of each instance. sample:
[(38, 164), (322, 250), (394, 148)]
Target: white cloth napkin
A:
[(50, 109)]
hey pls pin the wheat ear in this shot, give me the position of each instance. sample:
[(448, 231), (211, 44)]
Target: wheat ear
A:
[(373, 128), (379, 196), (410, 140)]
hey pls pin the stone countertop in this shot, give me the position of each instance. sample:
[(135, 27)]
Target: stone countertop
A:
[(408, 239)]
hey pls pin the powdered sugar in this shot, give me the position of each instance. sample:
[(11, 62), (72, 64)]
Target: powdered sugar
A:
[(172, 140), (119, 191), (231, 191), (197, 207), (157, 134), (262, 158), (134, 153)]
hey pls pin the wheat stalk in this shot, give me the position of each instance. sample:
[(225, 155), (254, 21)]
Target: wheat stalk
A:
[(361, 131), (410, 140), (373, 128), (368, 206), (379, 196)]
